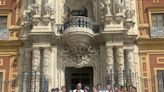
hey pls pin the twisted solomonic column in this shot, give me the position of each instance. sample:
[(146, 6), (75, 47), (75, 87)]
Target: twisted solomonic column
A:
[(46, 67), (120, 64), (35, 70), (130, 66), (109, 62)]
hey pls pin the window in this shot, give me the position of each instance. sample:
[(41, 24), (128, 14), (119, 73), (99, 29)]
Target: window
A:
[(158, 20), (1, 80), (82, 12), (4, 33), (157, 28), (160, 76)]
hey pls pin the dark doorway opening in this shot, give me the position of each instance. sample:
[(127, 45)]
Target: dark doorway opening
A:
[(82, 75)]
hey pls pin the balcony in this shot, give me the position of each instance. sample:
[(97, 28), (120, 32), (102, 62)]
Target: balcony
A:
[(77, 28), (78, 32)]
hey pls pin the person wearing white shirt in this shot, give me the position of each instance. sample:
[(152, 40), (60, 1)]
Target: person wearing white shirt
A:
[(78, 88)]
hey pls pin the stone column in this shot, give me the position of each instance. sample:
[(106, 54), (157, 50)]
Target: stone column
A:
[(109, 62), (130, 66), (120, 64), (46, 68), (35, 70)]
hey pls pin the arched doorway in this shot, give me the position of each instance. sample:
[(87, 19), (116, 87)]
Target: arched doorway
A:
[(82, 75)]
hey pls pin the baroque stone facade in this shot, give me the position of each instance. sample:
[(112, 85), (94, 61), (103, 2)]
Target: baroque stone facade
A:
[(61, 34)]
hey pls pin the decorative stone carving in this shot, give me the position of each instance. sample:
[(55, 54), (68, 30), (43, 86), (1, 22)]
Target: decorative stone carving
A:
[(35, 70), (130, 65), (36, 59), (46, 62), (120, 64), (89, 56), (106, 4), (109, 61), (117, 11)]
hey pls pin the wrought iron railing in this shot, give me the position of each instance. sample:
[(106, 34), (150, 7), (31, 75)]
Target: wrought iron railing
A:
[(78, 21), (114, 75), (35, 79)]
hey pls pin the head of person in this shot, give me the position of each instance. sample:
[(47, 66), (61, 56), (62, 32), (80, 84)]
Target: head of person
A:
[(56, 89), (98, 86), (116, 89), (79, 86), (109, 86), (53, 90), (134, 89), (63, 88), (94, 89), (123, 88)]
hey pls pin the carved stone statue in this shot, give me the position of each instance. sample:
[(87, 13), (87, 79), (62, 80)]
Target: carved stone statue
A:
[(47, 8), (107, 5)]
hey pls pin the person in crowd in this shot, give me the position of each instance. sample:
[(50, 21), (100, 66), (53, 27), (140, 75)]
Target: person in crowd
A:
[(63, 89), (133, 89), (123, 89), (78, 88), (116, 89), (109, 88), (99, 88), (52, 90), (94, 89), (56, 89), (86, 89)]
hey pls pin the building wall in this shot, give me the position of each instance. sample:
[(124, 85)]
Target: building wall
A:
[(9, 45), (151, 49)]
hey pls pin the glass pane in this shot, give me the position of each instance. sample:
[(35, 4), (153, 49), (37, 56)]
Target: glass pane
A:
[(159, 17), (160, 77), (1, 80), (4, 33), (160, 24), (154, 18)]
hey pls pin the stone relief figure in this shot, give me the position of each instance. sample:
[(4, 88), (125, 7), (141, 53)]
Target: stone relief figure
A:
[(119, 6), (109, 52), (37, 6), (106, 4), (36, 59), (47, 8), (129, 11)]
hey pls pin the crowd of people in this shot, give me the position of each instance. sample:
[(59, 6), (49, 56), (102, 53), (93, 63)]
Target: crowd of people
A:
[(98, 88)]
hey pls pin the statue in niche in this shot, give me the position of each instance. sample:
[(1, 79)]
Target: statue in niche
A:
[(67, 12), (47, 8), (106, 4)]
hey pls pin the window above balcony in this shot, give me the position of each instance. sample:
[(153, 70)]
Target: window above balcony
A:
[(4, 33), (157, 28)]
